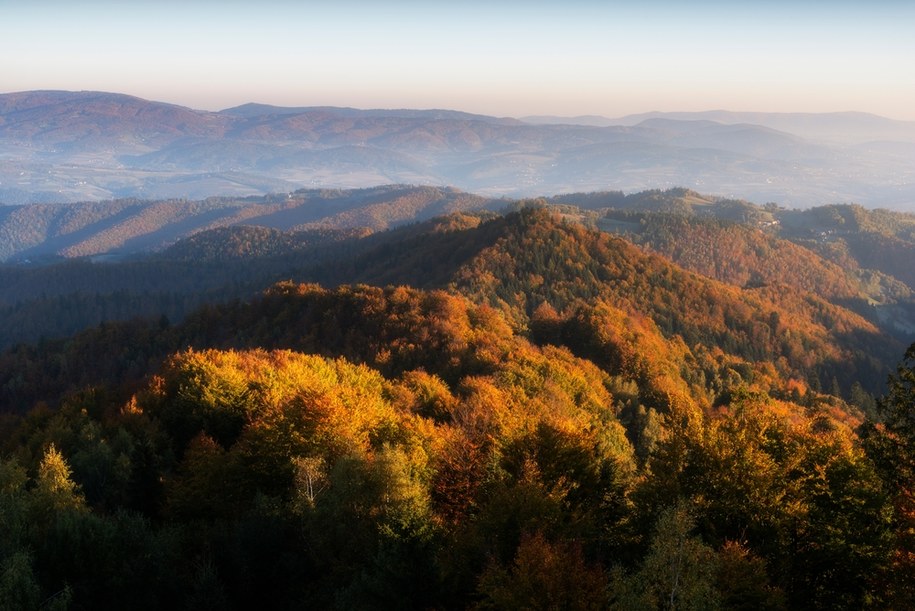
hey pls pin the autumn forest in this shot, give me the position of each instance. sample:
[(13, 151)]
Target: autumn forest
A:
[(596, 401)]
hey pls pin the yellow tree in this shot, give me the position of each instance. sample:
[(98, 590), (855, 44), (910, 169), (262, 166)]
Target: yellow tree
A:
[(54, 490)]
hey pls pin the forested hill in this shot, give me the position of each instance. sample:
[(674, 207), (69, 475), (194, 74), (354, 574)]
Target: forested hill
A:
[(752, 247), (562, 417), (515, 263), (541, 273), (131, 226)]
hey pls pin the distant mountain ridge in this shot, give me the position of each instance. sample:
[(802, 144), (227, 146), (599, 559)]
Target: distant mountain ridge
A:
[(55, 117), (848, 127), (130, 226), (80, 146), (261, 110)]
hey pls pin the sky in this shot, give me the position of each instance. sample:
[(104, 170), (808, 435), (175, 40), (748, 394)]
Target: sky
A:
[(569, 58)]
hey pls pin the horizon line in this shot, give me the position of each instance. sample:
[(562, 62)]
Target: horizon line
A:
[(520, 117)]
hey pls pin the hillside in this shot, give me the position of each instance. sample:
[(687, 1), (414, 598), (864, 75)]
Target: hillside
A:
[(559, 264), (860, 241), (127, 227), (851, 256), (403, 447), (745, 255), (678, 200), (858, 238), (328, 236), (524, 262)]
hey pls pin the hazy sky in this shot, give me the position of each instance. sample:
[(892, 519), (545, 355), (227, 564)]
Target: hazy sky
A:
[(502, 58)]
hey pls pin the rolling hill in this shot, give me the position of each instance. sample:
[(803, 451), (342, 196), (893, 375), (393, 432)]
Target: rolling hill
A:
[(125, 227), (80, 146), (127, 258), (515, 264)]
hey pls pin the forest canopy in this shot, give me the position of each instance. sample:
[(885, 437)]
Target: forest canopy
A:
[(547, 416)]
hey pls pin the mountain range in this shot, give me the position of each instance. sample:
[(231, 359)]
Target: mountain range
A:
[(80, 146)]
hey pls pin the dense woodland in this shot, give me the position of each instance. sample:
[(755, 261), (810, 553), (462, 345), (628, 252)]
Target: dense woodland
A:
[(489, 412)]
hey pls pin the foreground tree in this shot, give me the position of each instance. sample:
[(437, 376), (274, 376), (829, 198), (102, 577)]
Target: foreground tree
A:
[(677, 574), (890, 444)]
